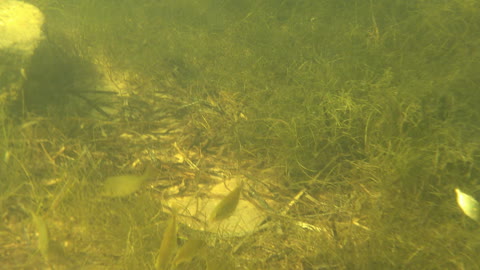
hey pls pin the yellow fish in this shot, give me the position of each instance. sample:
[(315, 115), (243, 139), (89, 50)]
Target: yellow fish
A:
[(191, 249), (468, 204), (123, 185), (168, 246), (227, 205)]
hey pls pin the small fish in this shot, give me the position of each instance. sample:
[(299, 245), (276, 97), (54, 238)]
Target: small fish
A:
[(191, 249), (469, 205), (168, 246), (227, 205), (123, 185)]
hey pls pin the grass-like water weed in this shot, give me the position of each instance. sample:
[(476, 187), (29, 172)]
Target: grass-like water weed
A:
[(350, 124)]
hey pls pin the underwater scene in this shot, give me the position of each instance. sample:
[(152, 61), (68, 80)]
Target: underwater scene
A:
[(239, 134)]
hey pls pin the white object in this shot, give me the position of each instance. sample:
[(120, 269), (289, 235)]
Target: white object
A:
[(193, 211), (468, 204), (20, 27), (20, 34)]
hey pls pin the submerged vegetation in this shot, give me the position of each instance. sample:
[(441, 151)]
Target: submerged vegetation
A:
[(351, 123)]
